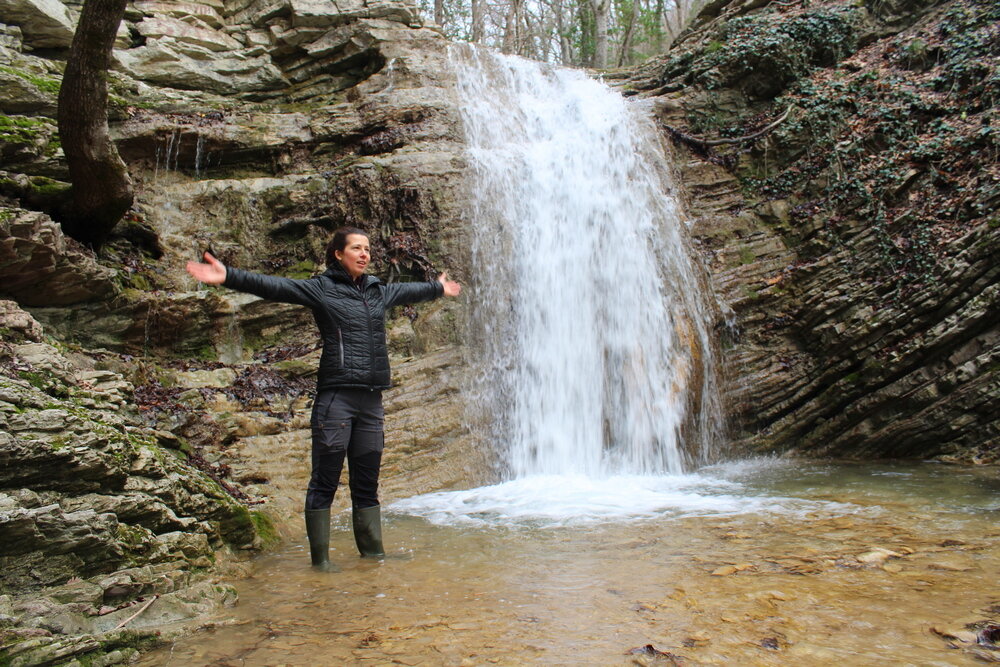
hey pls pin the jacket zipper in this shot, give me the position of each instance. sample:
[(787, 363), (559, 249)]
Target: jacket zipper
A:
[(340, 340), (371, 343)]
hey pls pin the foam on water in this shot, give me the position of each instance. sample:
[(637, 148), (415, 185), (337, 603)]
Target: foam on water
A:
[(560, 500)]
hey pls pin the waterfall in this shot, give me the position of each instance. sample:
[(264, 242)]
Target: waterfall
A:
[(590, 328), (593, 365)]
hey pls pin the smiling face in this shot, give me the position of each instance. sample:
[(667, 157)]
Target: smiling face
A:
[(355, 255)]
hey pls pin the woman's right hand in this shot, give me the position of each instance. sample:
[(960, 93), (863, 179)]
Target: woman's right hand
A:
[(211, 271)]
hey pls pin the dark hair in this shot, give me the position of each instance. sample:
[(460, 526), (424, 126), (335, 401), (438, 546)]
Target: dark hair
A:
[(339, 242)]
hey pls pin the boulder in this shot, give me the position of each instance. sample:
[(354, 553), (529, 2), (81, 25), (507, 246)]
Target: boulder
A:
[(24, 139), (315, 13), (138, 509), (48, 450), (17, 324), (43, 358), (10, 37), (44, 24), (39, 266), (21, 94), (47, 546)]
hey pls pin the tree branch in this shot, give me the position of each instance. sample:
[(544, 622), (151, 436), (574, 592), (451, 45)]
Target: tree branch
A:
[(703, 145)]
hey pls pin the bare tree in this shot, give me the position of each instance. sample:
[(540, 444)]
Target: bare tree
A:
[(478, 20), (602, 8), (596, 33), (565, 45), (512, 28), (102, 189)]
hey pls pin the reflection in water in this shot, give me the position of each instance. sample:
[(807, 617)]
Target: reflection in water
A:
[(804, 586)]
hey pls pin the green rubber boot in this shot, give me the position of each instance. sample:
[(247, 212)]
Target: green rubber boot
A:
[(368, 531), (318, 530)]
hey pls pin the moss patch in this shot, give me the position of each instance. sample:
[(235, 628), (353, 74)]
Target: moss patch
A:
[(265, 528), (43, 83), (24, 129)]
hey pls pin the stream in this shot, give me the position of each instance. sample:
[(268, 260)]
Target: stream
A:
[(768, 562)]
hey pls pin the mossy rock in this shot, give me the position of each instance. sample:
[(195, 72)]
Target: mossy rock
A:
[(762, 53), (265, 527), (36, 192)]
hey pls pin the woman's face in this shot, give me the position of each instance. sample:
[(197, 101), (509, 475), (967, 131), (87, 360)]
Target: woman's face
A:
[(355, 255)]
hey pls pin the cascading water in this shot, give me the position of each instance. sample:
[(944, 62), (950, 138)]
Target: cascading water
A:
[(590, 332)]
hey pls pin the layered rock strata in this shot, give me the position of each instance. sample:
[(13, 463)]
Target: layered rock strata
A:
[(98, 513), (855, 237)]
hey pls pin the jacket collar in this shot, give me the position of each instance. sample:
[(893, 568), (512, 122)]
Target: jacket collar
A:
[(337, 273)]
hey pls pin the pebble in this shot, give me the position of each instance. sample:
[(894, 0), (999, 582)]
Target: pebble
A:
[(877, 556)]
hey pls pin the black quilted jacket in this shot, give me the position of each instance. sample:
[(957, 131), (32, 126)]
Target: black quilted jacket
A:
[(351, 319)]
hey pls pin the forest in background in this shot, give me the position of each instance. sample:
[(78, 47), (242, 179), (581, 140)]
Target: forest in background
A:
[(580, 33)]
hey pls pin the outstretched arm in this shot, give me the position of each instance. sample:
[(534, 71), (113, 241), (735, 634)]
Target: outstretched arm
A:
[(399, 293), (301, 292)]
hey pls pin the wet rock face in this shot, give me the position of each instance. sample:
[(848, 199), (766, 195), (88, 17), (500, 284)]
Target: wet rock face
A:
[(864, 289)]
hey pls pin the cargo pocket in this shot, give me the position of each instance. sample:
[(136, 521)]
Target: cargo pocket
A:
[(332, 436), (366, 442)]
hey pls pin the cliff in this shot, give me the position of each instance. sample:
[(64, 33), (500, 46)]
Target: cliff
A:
[(855, 233)]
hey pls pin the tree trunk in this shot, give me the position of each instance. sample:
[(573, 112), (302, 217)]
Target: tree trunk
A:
[(658, 28), (478, 20), (439, 12), (102, 189), (512, 26), (601, 8), (565, 47)]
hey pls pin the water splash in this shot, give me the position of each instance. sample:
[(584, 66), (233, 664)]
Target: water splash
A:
[(593, 337), (575, 500)]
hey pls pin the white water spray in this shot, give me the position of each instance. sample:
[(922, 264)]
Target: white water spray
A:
[(587, 308), (589, 327)]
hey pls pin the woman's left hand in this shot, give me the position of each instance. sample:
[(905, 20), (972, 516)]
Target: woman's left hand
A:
[(451, 288)]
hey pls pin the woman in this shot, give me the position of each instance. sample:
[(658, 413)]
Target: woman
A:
[(347, 416)]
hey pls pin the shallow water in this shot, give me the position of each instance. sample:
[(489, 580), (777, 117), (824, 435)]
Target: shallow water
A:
[(768, 575)]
